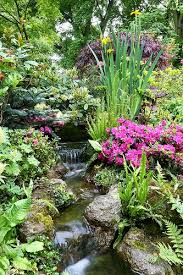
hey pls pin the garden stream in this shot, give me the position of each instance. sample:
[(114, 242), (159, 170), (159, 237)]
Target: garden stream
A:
[(80, 256)]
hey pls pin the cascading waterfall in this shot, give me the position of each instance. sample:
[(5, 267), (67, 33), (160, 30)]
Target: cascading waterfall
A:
[(72, 155)]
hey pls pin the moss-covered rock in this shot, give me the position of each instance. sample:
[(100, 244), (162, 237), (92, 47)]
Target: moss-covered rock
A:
[(38, 222), (48, 196), (139, 250)]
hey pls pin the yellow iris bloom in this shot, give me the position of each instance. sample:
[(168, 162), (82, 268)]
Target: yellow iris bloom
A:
[(106, 40), (136, 12), (109, 51)]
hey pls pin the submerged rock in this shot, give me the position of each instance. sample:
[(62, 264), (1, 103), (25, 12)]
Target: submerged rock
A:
[(102, 215), (138, 250)]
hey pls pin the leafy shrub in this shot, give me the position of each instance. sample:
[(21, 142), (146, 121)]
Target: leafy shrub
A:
[(40, 93), (12, 252), (148, 43), (161, 143), (105, 177), (26, 155), (166, 87), (63, 197)]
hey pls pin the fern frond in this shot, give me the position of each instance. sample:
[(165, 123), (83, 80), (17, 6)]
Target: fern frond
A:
[(177, 205), (168, 254), (175, 235)]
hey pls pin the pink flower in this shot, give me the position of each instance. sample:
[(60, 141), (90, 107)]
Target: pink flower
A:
[(181, 61), (58, 123), (35, 141), (46, 130), (160, 143), (119, 161)]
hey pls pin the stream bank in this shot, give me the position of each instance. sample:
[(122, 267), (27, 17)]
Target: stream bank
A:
[(81, 254)]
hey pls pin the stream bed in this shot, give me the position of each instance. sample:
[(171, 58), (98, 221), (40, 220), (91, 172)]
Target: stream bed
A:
[(80, 256)]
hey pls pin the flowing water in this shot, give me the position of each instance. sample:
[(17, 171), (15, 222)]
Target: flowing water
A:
[(80, 255)]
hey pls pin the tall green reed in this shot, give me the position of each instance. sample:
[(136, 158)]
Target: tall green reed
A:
[(125, 77)]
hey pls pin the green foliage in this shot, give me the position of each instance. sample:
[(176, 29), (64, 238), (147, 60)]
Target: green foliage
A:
[(40, 92), (98, 124), (25, 158), (47, 259), (167, 253), (156, 23), (175, 255), (177, 205), (105, 177), (125, 79), (12, 252), (168, 96), (121, 227), (62, 196), (134, 190)]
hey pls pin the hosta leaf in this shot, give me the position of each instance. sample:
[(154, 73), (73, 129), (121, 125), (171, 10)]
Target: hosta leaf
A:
[(86, 107), (2, 272), (18, 212), (3, 232)]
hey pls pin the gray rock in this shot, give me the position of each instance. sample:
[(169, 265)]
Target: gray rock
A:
[(138, 251), (102, 215)]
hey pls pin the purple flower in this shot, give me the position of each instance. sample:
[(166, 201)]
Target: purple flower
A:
[(46, 130)]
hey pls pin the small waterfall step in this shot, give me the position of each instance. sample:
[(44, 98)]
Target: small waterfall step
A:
[(72, 155)]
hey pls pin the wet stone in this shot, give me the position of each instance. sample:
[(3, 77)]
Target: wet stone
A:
[(138, 250)]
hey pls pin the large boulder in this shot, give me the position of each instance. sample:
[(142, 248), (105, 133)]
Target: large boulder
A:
[(102, 215), (139, 250)]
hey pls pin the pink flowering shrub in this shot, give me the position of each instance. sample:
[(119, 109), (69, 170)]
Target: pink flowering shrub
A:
[(160, 143)]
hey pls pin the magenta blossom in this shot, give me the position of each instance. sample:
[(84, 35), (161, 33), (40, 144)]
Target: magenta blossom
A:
[(129, 139), (46, 130)]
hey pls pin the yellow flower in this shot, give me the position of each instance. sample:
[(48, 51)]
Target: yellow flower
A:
[(40, 107), (136, 12), (110, 51), (106, 40)]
